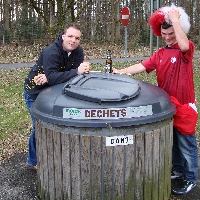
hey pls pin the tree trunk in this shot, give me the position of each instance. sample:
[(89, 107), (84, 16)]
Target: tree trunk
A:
[(7, 15)]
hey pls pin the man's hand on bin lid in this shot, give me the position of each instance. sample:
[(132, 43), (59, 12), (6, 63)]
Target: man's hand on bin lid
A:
[(116, 71), (40, 79), (83, 68)]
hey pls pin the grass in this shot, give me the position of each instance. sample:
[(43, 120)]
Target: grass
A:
[(15, 124), (14, 119)]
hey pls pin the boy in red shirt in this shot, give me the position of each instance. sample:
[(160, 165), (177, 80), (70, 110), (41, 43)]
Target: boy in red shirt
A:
[(173, 65)]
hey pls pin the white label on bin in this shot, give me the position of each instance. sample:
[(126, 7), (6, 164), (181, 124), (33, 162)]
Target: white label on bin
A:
[(119, 140), (111, 113)]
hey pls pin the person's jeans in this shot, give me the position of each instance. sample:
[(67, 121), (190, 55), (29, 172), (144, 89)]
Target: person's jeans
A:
[(32, 159), (185, 155)]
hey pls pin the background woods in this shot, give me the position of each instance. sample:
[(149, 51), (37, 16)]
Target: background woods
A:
[(30, 21)]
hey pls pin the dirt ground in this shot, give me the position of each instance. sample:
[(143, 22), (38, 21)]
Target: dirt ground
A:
[(20, 183), (17, 182)]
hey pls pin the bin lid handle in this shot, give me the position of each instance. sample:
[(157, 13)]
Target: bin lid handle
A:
[(75, 88)]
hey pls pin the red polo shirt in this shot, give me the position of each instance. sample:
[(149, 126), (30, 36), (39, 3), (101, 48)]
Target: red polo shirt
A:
[(174, 71)]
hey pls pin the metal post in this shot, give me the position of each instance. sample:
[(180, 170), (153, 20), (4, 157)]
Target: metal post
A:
[(126, 3), (157, 6), (3, 39), (125, 43), (151, 33)]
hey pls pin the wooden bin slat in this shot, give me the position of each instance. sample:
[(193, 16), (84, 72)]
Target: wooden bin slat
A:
[(161, 175), (96, 167), (130, 180), (66, 169), (148, 169), (156, 163), (85, 167), (49, 166)]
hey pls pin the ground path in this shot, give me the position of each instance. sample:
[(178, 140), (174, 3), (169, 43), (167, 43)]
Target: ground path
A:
[(30, 64)]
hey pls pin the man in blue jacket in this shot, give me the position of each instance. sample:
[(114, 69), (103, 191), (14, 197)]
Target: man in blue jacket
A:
[(58, 63)]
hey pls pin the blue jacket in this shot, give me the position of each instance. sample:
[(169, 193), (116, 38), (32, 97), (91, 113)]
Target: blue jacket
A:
[(57, 66)]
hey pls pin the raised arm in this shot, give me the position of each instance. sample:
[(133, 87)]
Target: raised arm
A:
[(181, 37)]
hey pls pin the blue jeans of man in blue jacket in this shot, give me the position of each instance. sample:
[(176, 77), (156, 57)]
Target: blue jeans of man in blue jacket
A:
[(31, 159)]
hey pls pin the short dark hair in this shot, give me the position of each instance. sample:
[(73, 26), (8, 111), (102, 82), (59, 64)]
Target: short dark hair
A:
[(74, 25), (165, 25)]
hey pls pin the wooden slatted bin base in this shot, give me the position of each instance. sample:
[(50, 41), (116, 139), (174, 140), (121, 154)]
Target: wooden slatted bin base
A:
[(81, 163)]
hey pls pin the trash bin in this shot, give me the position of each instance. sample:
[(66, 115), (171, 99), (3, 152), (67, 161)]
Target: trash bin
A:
[(104, 136)]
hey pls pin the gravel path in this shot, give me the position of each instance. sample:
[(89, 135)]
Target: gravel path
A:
[(21, 65), (17, 182), (30, 64)]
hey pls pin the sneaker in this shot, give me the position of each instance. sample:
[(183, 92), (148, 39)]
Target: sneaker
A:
[(176, 175), (29, 166), (183, 187)]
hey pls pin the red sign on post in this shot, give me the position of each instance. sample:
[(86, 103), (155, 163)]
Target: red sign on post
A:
[(125, 16)]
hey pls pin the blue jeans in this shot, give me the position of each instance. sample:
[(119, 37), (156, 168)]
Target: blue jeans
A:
[(185, 155), (32, 160)]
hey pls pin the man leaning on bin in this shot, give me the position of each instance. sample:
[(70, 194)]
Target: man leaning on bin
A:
[(57, 63)]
